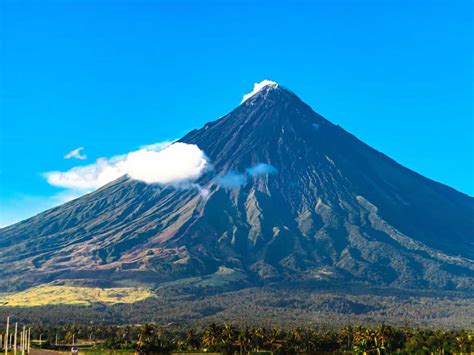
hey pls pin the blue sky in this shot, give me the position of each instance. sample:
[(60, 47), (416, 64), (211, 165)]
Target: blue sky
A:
[(111, 76)]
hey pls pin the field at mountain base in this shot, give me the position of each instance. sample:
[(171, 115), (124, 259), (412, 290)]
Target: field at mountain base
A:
[(45, 295)]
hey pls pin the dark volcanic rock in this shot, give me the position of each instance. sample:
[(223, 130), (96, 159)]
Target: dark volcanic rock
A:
[(326, 208)]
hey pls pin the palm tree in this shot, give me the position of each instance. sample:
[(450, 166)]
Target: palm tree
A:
[(244, 340), (228, 338), (312, 341), (361, 339), (69, 334), (179, 344), (346, 336), (210, 338), (190, 340), (145, 339), (274, 340), (294, 340), (259, 338), (461, 340)]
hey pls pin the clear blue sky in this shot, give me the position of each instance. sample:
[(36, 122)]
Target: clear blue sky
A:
[(112, 76)]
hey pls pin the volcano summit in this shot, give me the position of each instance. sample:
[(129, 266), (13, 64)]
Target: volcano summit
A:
[(291, 199)]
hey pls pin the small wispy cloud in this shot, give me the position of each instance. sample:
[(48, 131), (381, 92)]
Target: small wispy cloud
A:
[(233, 180), (261, 169), (76, 154)]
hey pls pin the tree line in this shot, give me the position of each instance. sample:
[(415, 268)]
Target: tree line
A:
[(230, 339)]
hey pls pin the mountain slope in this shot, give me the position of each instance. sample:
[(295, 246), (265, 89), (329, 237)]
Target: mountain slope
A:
[(323, 207)]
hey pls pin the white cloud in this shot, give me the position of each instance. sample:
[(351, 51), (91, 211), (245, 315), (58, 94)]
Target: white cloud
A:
[(232, 180), (203, 192), (76, 154), (261, 169), (175, 164), (89, 177), (257, 87)]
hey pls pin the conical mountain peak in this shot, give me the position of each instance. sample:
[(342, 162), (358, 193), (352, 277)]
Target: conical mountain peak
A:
[(267, 91), (292, 197), (260, 88), (271, 121)]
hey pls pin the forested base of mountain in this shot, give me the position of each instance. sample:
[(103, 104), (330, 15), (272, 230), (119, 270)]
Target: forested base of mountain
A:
[(268, 306), (227, 339)]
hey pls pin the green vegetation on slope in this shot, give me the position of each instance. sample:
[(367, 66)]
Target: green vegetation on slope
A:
[(265, 306)]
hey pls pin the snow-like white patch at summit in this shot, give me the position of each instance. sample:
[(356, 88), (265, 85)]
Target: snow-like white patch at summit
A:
[(257, 87)]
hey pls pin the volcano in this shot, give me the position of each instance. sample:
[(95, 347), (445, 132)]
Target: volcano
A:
[(291, 198)]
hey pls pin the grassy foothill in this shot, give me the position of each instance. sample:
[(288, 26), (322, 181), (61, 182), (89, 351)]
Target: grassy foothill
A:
[(73, 295)]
